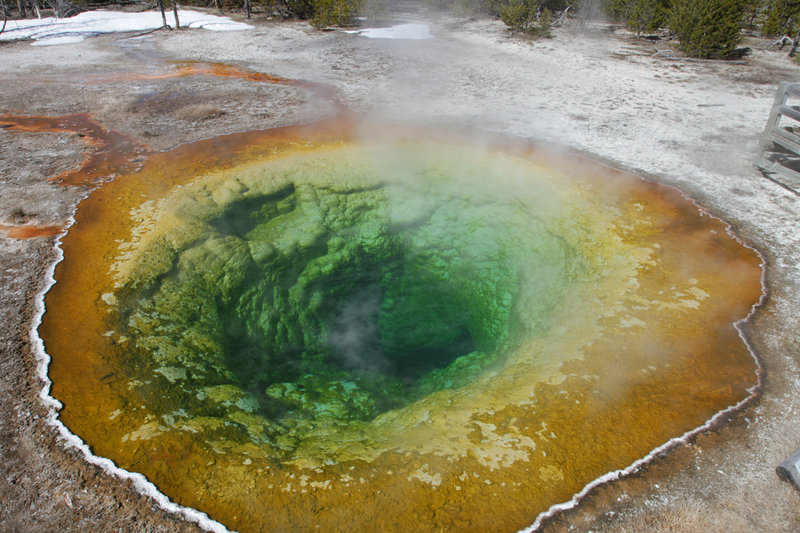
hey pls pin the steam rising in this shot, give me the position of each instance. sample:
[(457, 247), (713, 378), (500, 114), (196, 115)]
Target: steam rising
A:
[(354, 337), (387, 318)]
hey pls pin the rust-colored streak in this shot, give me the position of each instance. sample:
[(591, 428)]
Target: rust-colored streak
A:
[(219, 70), (114, 153), (222, 70), (29, 232)]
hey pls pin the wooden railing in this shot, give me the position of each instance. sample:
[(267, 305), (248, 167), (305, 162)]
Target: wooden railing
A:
[(780, 143)]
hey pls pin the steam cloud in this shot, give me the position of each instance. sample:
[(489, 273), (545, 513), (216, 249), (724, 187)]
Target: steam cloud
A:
[(354, 338)]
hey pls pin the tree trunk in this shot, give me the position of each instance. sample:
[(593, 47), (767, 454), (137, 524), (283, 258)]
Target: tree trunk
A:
[(163, 15), (219, 7), (795, 44), (247, 9), (36, 9), (175, 12)]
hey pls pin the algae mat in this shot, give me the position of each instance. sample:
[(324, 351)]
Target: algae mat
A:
[(333, 327)]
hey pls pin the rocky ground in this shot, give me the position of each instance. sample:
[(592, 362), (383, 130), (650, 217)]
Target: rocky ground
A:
[(690, 124)]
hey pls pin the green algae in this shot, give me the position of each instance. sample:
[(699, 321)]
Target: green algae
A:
[(571, 319), (323, 290)]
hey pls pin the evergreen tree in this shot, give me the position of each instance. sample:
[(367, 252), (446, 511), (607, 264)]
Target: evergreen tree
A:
[(708, 29), (336, 12), (300, 9), (530, 16), (783, 18), (647, 15), (545, 23), (640, 16), (519, 15)]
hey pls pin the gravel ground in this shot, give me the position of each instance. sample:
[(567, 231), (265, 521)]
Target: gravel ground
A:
[(690, 124)]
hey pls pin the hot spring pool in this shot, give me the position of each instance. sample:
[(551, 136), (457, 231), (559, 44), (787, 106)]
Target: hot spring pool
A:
[(386, 332)]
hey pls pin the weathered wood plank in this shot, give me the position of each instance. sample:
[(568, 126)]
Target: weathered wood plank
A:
[(780, 168), (792, 89), (790, 111), (790, 141), (789, 469)]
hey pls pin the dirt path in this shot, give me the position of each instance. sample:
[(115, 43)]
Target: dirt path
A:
[(692, 125)]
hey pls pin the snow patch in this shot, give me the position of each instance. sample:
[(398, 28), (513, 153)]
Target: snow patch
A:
[(408, 32), (52, 30)]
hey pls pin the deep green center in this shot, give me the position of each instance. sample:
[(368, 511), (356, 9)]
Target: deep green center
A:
[(353, 320), (323, 291)]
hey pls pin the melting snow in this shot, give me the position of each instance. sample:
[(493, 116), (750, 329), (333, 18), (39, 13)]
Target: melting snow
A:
[(410, 32), (48, 31)]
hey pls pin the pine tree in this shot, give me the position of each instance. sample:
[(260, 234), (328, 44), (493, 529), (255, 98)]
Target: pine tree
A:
[(335, 12), (783, 18), (640, 16), (647, 15), (708, 29), (519, 15), (545, 23)]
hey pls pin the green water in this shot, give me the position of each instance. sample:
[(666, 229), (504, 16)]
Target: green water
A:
[(325, 290)]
